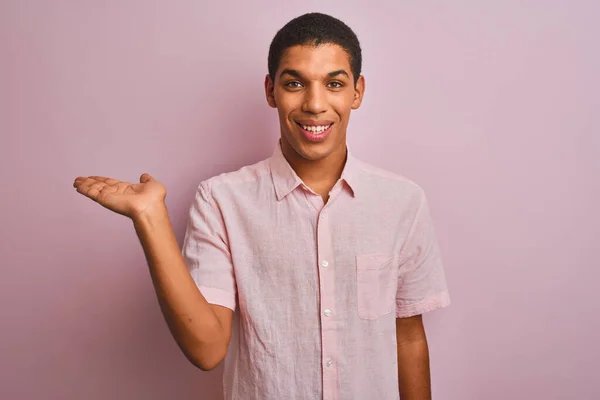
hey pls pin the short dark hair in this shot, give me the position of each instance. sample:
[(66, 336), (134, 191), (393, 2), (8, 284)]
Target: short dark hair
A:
[(315, 29)]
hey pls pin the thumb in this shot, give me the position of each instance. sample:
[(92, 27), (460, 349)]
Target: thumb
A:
[(146, 178)]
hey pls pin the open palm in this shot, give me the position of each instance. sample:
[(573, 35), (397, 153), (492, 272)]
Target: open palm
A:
[(129, 199)]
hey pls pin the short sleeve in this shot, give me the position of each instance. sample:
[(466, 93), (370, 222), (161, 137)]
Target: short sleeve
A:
[(421, 279), (206, 251)]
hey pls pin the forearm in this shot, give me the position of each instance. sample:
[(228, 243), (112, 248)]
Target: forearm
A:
[(191, 319), (414, 380)]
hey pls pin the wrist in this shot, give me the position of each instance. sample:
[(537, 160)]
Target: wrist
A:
[(151, 216)]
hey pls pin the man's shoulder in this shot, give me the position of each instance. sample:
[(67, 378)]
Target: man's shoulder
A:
[(244, 176), (382, 179)]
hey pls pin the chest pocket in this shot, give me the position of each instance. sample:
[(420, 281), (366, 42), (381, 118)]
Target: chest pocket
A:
[(376, 284)]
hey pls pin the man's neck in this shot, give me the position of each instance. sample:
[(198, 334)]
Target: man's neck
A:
[(319, 175)]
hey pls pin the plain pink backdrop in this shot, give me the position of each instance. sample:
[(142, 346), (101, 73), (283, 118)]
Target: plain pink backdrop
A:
[(491, 106)]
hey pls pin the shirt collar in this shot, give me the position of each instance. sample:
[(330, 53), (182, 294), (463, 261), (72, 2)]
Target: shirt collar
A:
[(286, 180)]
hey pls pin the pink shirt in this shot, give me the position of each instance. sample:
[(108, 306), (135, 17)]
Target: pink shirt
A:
[(316, 287)]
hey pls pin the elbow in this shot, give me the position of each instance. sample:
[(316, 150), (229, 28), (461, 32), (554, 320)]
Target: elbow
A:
[(205, 354), (206, 362), (206, 365)]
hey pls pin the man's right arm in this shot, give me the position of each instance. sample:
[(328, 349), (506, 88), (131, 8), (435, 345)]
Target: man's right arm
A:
[(202, 330)]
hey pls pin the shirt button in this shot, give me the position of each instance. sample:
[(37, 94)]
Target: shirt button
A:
[(327, 312), (329, 363), (324, 263)]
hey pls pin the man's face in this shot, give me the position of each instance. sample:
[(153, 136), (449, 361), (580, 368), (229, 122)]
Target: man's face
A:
[(314, 93)]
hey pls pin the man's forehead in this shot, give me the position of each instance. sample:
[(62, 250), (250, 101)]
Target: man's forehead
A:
[(319, 60)]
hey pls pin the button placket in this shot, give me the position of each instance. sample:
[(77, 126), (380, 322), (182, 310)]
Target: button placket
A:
[(326, 273)]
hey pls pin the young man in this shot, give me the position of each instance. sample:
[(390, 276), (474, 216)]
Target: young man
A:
[(329, 262)]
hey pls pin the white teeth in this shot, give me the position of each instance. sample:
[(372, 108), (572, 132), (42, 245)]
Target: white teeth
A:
[(316, 129)]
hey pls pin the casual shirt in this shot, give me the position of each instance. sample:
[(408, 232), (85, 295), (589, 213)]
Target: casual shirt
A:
[(316, 287)]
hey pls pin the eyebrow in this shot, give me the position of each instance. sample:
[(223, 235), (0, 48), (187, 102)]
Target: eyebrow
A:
[(298, 75)]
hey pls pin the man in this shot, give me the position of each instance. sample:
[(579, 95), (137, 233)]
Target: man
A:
[(329, 262)]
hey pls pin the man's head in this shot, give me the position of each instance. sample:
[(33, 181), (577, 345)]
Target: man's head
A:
[(314, 82), (315, 29)]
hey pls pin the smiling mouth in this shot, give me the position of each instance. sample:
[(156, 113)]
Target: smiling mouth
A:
[(315, 129)]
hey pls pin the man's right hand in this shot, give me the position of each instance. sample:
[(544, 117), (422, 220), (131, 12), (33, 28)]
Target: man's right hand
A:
[(202, 330), (131, 200)]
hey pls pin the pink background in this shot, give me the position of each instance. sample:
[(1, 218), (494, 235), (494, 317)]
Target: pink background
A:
[(491, 106)]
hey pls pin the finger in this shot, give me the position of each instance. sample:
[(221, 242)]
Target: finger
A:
[(108, 181), (81, 183), (84, 180), (97, 186), (146, 178), (98, 178), (90, 188), (78, 181), (87, 181), (92, 193)]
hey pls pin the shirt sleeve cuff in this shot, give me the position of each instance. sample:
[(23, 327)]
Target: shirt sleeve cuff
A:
[(430, 304), (218, 296)]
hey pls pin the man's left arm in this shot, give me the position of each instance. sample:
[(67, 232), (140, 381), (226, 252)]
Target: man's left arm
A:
[(414, 382), (421, 288)]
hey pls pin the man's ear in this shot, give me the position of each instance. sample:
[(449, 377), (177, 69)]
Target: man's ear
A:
[(359, 92), (270, 91)]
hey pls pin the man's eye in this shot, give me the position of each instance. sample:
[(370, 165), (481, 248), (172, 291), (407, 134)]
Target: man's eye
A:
[(293, 84), (335, 85)]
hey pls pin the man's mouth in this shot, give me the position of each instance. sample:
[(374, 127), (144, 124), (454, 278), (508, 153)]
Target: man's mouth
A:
[(315, 129)]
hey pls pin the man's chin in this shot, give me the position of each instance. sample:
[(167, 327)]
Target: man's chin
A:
[(307, 150), (314, 151)]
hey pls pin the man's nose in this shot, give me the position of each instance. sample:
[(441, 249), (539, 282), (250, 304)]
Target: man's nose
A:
[(315, 101)]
